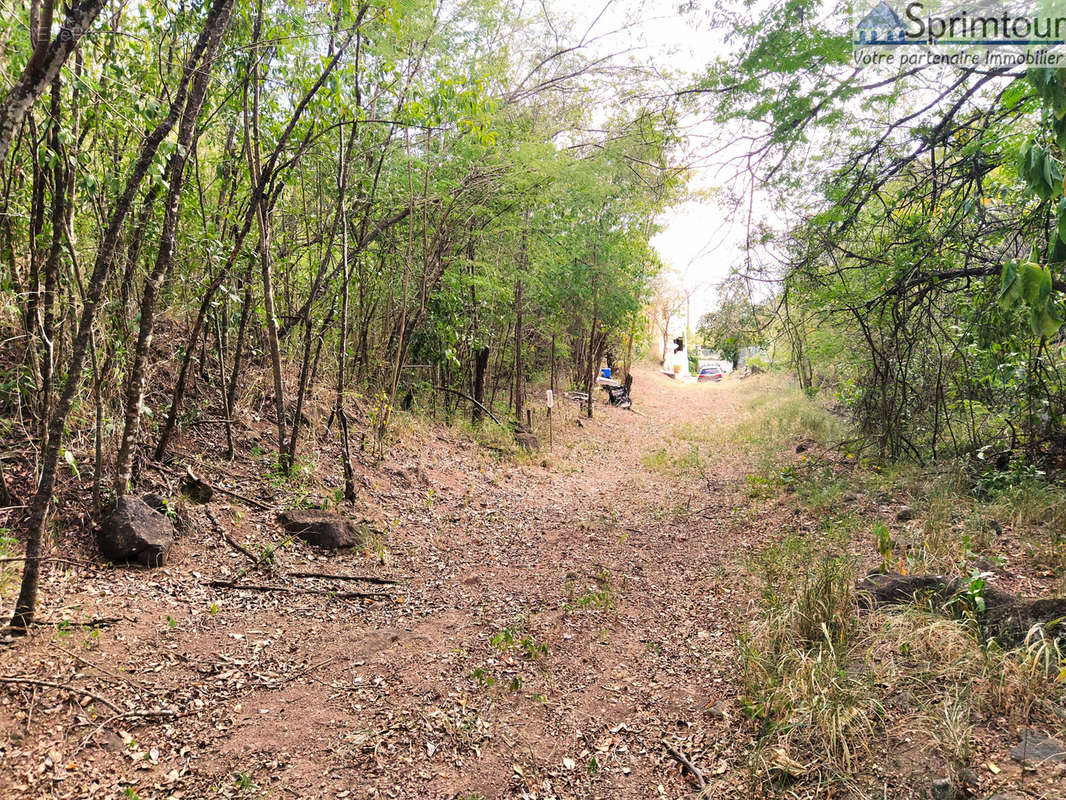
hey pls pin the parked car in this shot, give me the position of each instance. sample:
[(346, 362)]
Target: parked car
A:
[(710, 374)]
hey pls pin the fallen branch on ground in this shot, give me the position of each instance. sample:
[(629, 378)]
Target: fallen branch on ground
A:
[(77, 562), (681, 759), (472, 400), (365, 578), (231, 541), (126, 715), (97, 667), (15, 679), (256, 587), (99, 622)]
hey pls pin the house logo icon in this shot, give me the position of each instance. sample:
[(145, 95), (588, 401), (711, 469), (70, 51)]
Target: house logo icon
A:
[(882, 26)]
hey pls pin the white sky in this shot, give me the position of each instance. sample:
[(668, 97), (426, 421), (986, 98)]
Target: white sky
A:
[(701, 239)]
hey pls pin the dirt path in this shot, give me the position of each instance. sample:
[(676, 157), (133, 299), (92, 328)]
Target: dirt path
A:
[(556, 623)]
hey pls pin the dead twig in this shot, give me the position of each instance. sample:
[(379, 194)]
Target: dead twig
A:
[(256, 587), (97, 667), (16, 679), (55, 559), (297, 674), (99, 622), (364, 578), (230, 540), (682, 759), (125, 715), (471, 400)]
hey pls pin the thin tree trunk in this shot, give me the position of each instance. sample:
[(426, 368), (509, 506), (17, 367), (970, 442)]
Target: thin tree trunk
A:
[(481, 364), (305, 377), (51, 267), (238, 351), (44, 65), (98, 430), (590, 367), (222, 387), (165, 255), (26, 604), (262, 218), (342, 346)]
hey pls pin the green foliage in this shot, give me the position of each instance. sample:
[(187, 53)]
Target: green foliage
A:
[(1031, 283)]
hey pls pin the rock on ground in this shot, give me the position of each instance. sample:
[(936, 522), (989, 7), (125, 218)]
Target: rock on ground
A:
[(325, 529), (133, 531), (528, 441), (1036, 748)]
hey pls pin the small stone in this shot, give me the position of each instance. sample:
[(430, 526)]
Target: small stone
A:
[(1038, 749), (905, 514), (942, 789), (527, 441), (720, 710)]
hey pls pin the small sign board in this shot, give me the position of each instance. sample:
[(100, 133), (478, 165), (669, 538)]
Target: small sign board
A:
[(550, 399)]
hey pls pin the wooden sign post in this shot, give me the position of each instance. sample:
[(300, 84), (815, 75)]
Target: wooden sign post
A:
[(550, 401)]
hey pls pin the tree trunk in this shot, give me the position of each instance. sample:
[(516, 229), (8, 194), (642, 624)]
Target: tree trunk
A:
[(51, 267), (518, 331), (165, 255), (481, 364), (262, 218), (590, 366), (44, 65), (26, 604)]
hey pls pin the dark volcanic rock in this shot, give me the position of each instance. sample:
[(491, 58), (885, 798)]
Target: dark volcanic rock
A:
[(325, 528), (155, 502), (1036, 748), (133, 531), (528, 441)]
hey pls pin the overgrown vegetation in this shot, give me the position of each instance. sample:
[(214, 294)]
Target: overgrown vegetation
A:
[(832, 687), (215, 211), (918, 273)]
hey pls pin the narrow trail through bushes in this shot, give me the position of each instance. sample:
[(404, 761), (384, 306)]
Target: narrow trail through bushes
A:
[(580, 623), (564, 626)]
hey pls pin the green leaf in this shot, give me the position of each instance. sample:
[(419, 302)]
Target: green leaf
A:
[(1046, 320), (1010, 286), (1052, 176), (1035, 283)]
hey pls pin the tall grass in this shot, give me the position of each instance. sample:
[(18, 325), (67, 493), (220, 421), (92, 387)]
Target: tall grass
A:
[(825, 683), (778, 413)]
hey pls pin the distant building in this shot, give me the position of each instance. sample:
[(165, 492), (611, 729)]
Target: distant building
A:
[(746, 353)]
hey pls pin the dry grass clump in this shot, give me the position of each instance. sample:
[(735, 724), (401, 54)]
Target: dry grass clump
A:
[(777, 412), (828, 685), (814, 703)]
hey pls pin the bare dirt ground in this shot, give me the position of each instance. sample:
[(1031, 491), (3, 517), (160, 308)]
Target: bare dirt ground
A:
[(564, 627)]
